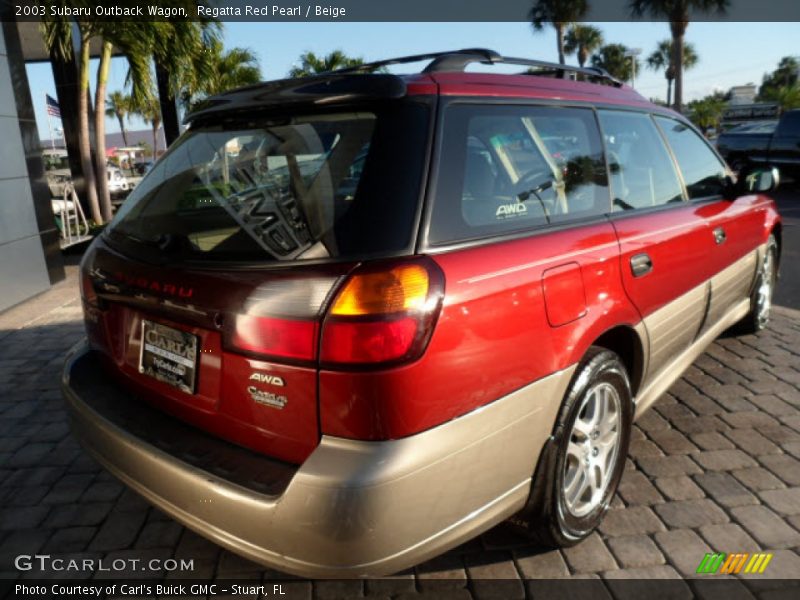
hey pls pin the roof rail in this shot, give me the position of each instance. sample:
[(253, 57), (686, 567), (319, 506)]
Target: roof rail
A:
[(458, 60)]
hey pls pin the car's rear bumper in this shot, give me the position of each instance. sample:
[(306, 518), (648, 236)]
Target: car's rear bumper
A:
[(353, 508)]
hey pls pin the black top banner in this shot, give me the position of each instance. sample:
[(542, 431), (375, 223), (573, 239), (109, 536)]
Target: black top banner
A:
[(372, 10)]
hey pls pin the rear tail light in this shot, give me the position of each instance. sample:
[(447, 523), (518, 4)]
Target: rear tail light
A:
[(280, 319), (88, 293), (379, 315), (402, 288), (383, 315), (93, 313), (286, 338)]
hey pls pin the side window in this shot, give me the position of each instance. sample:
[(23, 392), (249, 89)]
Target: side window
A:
[(642, 172), (510, 168), (702, 171)]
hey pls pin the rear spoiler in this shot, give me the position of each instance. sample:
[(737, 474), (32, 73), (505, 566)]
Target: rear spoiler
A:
[(322, 90)]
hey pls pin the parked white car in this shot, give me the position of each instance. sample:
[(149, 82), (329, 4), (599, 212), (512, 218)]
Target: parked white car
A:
[(118, 185)]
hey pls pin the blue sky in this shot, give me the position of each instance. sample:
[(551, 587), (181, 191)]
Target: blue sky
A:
[(730, 53)]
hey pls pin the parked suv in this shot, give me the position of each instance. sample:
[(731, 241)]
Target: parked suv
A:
[(774, 143), (348, 322)]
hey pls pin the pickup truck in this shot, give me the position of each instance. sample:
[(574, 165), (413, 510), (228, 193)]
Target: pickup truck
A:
[(744, 148)]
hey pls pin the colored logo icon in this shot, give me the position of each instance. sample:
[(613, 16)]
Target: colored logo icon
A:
[(742, 562)]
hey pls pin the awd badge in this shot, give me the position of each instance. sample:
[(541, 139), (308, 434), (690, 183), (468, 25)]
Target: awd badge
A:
[(268, 379)]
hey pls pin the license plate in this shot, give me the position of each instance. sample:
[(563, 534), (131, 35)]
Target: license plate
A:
[(169, 355)]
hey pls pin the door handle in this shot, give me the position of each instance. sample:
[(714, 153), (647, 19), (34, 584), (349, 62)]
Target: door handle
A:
[(641, 264), (719, 235)]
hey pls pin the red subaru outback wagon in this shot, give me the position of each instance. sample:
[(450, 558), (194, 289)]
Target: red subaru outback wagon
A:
[(348, 322)]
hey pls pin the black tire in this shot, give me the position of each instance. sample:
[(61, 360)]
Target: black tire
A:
[(547, 518), (758, 317)]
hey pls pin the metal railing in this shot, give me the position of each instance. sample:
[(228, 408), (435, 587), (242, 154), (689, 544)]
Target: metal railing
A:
[(74, 226)]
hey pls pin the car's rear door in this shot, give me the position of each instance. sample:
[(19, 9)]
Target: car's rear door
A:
[(519, 228), (662, 238)]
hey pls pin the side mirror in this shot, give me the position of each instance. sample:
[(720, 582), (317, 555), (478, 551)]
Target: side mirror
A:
[(754, 181), (759, 181)]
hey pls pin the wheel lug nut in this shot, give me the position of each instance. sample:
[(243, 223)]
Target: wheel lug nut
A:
[(595, 451)]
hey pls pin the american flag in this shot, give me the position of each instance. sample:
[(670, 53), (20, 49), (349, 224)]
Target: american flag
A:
[(52, 107)]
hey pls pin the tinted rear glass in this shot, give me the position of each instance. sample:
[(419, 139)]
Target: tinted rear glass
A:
[(508, 169), (342, 184)]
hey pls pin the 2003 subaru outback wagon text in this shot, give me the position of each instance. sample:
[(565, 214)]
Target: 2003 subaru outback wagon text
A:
[(351, 321)]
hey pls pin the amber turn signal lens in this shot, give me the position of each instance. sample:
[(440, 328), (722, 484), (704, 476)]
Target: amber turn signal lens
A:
[(400, 289)]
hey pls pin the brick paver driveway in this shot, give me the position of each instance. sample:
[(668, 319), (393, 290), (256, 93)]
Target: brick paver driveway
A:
[(714, 467)]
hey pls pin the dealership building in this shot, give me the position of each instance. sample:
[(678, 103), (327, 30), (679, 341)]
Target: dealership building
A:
[(30, 255), (30, 239)]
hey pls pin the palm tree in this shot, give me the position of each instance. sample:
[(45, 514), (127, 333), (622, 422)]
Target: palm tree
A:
[(615, 59), (661, 58), (224, 70), (234, 68), (785, 96), (583, 40), (126, 38), (677, 12), (179, 50), (57, 34), (100, 131), (129, 41), (149, 108), (786, 75), (707, 112), (560, 14), (118, 105), (311, 64)]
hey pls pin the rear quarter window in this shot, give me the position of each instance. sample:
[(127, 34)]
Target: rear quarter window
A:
[(507, 169)]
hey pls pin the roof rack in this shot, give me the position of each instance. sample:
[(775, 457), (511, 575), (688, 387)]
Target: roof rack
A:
[(458, 60)]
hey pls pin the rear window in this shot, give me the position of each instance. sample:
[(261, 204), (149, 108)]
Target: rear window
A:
[(343, 184)]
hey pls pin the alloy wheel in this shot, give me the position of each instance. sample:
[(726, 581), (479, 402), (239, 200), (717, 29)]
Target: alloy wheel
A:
[(765, 288), (592, 449)]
